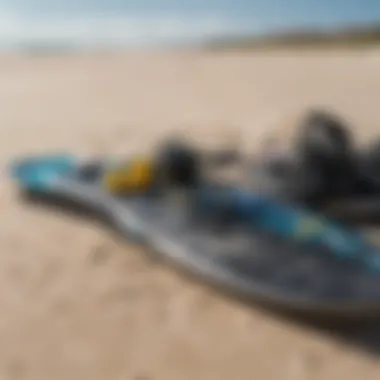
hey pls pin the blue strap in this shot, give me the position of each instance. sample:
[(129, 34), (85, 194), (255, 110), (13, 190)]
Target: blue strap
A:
[(292, 223)]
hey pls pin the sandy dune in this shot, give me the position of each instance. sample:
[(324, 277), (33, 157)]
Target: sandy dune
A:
[(77, 302)]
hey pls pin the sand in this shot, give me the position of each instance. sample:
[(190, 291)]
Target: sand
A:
[(76, 301)]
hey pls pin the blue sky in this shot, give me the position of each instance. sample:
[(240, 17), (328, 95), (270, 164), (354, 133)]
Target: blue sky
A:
[(144, 21), (299, 11)]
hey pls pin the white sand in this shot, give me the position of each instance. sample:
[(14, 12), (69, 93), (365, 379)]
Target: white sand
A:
[(77, 302)]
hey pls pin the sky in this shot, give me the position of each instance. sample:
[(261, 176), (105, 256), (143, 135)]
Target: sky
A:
[(124, 22)]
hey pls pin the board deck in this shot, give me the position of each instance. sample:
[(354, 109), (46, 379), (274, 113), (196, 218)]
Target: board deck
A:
[(237, 257)]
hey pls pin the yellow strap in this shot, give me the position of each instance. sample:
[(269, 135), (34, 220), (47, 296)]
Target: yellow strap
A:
[(135, 176)]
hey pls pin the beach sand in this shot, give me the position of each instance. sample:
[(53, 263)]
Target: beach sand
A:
[(76, 301)]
